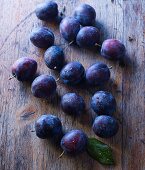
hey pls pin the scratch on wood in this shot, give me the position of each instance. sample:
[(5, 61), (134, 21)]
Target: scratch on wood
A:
[(23, 20), (120, 4), (27, 115)]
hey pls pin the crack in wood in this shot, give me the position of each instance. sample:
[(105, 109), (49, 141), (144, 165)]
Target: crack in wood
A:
[(27, 115)]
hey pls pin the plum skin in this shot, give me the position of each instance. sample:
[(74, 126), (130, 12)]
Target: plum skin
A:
[(54, 58), (74, 142), (105, 126), (69, 28), (72, 73), (73, 104), (113, 49), (44, 86), (85, 14), (103, 103), (88, 36), (42, 37), (97, 74), (48, 126), (24, 69), (47, 10)]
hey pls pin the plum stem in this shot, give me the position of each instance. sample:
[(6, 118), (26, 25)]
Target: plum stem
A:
[(70, 43), (61, 155), (97, 45), (110, 67), (57, 79), (12, 77)]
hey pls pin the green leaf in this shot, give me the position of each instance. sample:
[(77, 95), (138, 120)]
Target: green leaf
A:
[(100, 151)]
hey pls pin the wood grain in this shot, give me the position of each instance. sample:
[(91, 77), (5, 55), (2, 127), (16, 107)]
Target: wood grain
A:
[(19, 146)]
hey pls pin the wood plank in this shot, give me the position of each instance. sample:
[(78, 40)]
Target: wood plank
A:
[(134, 87), (19, 146)]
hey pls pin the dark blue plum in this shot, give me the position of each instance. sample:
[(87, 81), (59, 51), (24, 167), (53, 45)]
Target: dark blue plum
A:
[(48, 126), (73, 104), (24, 69), (44, 86), (47, 11), (88, 37), (54, 58), (97, 74), (69, 28), (103, 103), (85, 14), (42, 37), (74, 142), (72, 73), (113, 49), (105, 126)]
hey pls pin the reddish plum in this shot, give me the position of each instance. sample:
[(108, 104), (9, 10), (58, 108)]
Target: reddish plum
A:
[(74, 142), (113, 49), (24, 69)]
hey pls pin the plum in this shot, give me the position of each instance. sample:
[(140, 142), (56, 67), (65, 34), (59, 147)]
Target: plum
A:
[(74, 142), (24, 69), (113, 49), (88, 36), (42, 37), (69, 28), (85, 14), (73, 104), (97, 74), (72, 73), (47, 11), (105, 126), (44, 86), (48, 126), (103, 102), (54, 58)]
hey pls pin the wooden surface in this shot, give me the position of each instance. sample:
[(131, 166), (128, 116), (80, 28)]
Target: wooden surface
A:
[(19, 147)]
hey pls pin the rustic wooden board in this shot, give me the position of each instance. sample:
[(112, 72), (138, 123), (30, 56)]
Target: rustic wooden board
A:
[(19, 147)]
